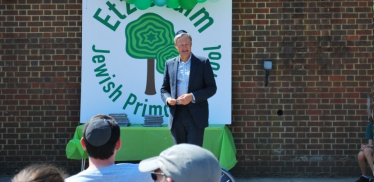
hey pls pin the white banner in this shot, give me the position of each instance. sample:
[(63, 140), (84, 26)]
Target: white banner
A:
[(124, 52)]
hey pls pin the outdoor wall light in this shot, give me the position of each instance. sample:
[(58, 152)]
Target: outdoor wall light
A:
[(267, 66)]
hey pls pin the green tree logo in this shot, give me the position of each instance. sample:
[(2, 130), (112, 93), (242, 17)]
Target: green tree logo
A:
[(151, 37)]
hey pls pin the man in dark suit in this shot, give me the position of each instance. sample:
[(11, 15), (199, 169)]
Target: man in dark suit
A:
[(187, 85)]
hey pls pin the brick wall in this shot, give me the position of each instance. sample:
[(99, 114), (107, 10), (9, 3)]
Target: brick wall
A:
[(40, 71), (321, 78), (322, 54)]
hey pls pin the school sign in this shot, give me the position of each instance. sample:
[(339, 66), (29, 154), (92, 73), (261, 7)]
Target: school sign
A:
[(124, 51)]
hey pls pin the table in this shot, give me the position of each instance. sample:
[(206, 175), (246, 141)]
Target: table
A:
[(140, 142)]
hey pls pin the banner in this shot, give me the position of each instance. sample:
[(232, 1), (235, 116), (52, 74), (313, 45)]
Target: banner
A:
[(124, 51)]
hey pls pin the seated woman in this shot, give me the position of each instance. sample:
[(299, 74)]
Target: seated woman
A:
[(366, 153)]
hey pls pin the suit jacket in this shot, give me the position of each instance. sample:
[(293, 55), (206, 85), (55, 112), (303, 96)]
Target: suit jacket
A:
[(201, 84)]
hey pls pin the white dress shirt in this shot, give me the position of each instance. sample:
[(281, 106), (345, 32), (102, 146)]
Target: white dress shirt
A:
[(183, 76)]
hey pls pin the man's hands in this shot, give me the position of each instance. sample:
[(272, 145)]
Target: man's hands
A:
[(183, 99), (171, 101)]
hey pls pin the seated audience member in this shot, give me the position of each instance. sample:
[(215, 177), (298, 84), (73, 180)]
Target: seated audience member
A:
[(183, 163), (101, 140), (366, 153), (40, 173)]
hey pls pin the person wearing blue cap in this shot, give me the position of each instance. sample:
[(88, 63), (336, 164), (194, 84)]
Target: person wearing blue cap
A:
[(101, 140), (188, 83)]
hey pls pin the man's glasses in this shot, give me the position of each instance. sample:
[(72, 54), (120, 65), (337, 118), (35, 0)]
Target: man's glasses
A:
[(154, 175)]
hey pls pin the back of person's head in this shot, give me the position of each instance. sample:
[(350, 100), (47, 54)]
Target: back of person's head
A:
[(100, 135), (40, 173), (185, 163)]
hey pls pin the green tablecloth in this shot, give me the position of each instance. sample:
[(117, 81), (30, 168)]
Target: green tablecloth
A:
[(140, 142)]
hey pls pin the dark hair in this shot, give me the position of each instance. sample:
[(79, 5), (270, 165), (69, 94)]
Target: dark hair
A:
[(107, 150), (40, 173)]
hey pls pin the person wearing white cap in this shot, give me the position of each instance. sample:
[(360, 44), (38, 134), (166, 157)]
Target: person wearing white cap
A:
[(101, 140), (183, 163)]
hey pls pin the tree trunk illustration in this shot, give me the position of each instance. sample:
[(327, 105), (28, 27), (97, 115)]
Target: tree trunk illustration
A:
[(151, 38), (150, 88)]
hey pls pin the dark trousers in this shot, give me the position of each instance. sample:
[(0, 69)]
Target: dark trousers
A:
[(184, 129)]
